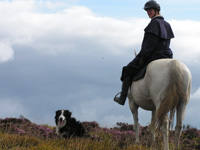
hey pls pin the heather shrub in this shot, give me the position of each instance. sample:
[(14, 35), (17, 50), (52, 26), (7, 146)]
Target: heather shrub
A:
[(22, 134), (23, 126), (121, 126), (90, 126), (191, 133), (191, 138)]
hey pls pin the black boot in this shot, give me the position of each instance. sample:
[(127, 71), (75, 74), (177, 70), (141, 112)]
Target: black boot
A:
[(125, 86)]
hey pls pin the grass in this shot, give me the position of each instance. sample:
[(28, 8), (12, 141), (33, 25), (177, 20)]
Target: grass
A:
[(22, 134)]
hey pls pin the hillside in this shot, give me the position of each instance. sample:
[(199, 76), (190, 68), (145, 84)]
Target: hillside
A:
[(22, 134)]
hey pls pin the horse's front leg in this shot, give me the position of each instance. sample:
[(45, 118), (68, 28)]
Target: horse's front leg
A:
[(153, 129), (136, 126)]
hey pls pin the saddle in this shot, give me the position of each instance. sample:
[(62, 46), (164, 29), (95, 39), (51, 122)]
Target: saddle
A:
[(140, 74)]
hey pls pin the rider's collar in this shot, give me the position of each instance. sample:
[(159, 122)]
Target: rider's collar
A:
[(157, 16)]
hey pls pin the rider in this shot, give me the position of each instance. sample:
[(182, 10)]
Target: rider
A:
[(155, 45)]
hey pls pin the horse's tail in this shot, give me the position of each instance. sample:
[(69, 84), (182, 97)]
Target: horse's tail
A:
[(172, 96)]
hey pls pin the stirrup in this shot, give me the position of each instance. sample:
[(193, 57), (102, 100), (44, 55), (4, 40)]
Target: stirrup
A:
[(117, 94), (118, 100)]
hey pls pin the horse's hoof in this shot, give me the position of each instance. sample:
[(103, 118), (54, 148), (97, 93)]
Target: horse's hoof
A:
[(137, 142)]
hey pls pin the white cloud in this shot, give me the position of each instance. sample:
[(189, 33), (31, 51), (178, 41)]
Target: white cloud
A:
[(6, 52), (107, 112), (111, 120), (91, 109), (16, 7), (11, 108), (78, 26), (66, 30), (196, 95), (193, 109), (186, 42)]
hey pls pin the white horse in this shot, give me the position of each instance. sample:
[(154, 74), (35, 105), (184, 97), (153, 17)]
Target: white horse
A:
[(164, 88)]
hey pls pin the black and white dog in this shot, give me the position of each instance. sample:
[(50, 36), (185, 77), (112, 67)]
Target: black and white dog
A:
[(66, 126)]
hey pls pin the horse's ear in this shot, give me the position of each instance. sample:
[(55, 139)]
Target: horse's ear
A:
[(135, 52)]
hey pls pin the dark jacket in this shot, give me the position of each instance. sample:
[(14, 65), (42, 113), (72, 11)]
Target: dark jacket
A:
[(155, 45)]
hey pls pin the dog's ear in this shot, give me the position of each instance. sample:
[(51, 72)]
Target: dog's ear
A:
[(68, 113), (57, 113), (56, 116)]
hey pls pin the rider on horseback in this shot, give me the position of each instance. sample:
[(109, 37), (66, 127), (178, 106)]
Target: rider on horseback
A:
[(155, 45)]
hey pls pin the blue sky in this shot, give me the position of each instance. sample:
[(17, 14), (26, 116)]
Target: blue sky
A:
[(130, 8), (68, 54)]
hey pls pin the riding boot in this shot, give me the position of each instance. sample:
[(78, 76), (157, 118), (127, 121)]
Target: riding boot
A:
[(123, 94)]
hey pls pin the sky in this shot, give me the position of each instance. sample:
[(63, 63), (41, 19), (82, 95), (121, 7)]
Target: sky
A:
[(68, 54)]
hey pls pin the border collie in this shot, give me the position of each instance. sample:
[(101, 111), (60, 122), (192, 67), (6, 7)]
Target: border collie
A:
[(66, 126)]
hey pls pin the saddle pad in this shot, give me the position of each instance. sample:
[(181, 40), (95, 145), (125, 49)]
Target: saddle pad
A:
[(140, 74)]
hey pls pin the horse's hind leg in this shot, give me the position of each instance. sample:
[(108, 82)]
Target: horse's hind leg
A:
[(165, 131), (180, 116)]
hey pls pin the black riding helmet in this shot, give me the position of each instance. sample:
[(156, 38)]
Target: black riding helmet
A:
[(152, 4)]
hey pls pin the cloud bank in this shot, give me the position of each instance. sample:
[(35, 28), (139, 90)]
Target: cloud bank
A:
[(77, 26), (72, 59)]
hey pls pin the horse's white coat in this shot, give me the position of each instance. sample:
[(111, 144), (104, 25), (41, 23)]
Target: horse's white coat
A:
[(149, 92)]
